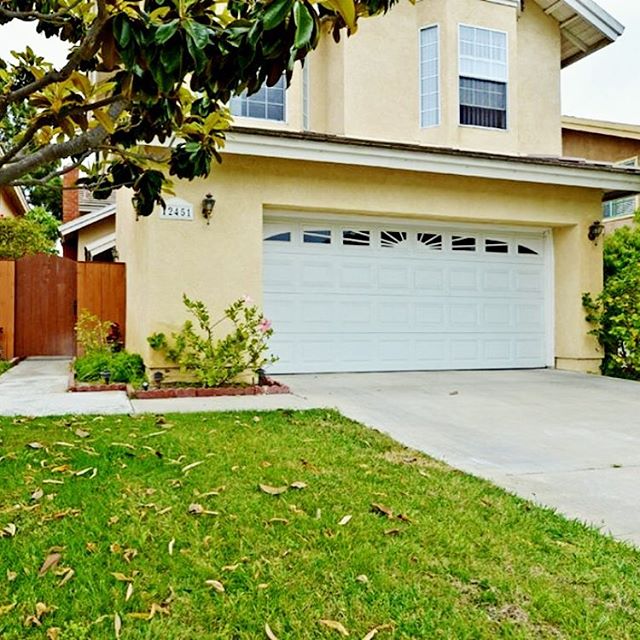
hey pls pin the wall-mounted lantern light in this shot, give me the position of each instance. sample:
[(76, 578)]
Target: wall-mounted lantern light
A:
[(596, 229), (135, 201), (208, 203)]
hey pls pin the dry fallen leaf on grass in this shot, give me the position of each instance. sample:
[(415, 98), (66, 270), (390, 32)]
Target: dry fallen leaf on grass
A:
[(345, 520), (121, 577), (362, 578), (270, 634), (196, 509), (117, 625), (376, 630), (35, 445), (278, 521), (52, 481), (404, 518), (129, 592), (11, 575), (170, 546), (50, 561), (272, 491), (8, 531), (215, 584), (84, 472), (392, 532), (5, 608), (37, 494), (81, 433), (193, 465), (298, 485), (336, 626), (381, 509), (53, 633), (67, 573)]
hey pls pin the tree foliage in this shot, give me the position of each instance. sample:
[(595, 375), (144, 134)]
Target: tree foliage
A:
[(21, 237), (615, 312), (165, 71)]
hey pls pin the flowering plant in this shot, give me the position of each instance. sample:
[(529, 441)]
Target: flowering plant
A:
[(215, 362)]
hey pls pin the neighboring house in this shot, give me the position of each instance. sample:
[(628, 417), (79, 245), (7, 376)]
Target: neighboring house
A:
[(404, 205), (88, 225), (611, 142), (13, 202)]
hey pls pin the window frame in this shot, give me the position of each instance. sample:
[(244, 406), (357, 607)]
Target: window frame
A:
[(244, 97), (421, 104), (506, 82)]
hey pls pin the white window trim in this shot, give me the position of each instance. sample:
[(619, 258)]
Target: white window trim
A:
[(420, 30), (507, 82), (306, 104)]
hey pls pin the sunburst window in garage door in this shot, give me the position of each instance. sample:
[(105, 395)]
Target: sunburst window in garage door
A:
[(432, 241), (390, 239)]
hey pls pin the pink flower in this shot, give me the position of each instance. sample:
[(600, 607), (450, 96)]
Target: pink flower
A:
[(247, 299), (264, 325)]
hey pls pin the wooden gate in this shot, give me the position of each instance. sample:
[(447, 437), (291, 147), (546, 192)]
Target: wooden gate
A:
[(40, 297), (45, 299)]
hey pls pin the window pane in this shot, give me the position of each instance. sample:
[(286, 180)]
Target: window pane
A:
[(429, 78), (463, 243), (483, 103), (285, 236), (356, 238), (496, 246), (317, 236), (267, 103)]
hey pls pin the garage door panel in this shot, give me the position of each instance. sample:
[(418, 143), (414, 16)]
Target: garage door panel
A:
[(429, 314), (408, 300)]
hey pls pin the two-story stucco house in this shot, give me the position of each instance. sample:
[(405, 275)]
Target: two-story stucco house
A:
[(404, 205)]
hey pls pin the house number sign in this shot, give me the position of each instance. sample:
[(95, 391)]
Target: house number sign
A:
[(177, 209)]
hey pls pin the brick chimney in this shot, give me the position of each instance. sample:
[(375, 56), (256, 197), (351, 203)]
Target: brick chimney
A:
[(70, 197)]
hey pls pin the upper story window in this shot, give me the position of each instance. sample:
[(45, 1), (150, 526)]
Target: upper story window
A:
[(267, 104), (429, 77), (619, 207), (483, 72)]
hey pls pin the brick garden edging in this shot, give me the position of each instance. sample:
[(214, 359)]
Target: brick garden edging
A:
[(199, 392)]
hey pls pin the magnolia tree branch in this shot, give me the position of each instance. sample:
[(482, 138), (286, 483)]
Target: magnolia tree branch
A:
[(34, 182), (87, 49), (74, 147)]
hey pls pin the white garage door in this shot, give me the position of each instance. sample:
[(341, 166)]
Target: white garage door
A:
[(363, 296)]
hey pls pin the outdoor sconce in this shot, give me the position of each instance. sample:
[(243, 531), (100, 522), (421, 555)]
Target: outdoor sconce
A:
[(596, 229), (157, 378), (207, 206), (145, 386)]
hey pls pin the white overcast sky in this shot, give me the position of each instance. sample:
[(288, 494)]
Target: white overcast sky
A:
[(604, 86)]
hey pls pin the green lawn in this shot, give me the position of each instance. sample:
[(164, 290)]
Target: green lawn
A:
[(443, 555)]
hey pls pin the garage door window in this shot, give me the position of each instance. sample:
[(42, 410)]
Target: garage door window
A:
[(317, 236), (284, 236), (389, 239), (432, 241), (356, 238), (496, 246), (463, 243), (523, 249)]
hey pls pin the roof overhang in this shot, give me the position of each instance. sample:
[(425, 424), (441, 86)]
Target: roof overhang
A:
[(100, 245), (87, 219), (312, 147), (602, 127), (585, 27)]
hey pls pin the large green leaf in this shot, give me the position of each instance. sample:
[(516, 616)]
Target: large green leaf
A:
[(275, 13), (302, 15)]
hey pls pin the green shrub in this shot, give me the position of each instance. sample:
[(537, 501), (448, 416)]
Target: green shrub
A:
[(122, 366), (5, 365), (615, 313), (21, 237), (101, 353), (212, 361)]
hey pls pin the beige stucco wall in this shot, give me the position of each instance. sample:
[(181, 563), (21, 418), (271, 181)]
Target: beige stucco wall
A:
[(94, 232), (367, 86), (597, 147), (222, 261)]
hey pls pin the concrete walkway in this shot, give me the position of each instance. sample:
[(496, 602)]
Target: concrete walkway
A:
[(38, 387), (566, 440)]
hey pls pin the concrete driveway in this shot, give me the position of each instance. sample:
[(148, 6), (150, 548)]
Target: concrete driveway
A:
[(566, 440)]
